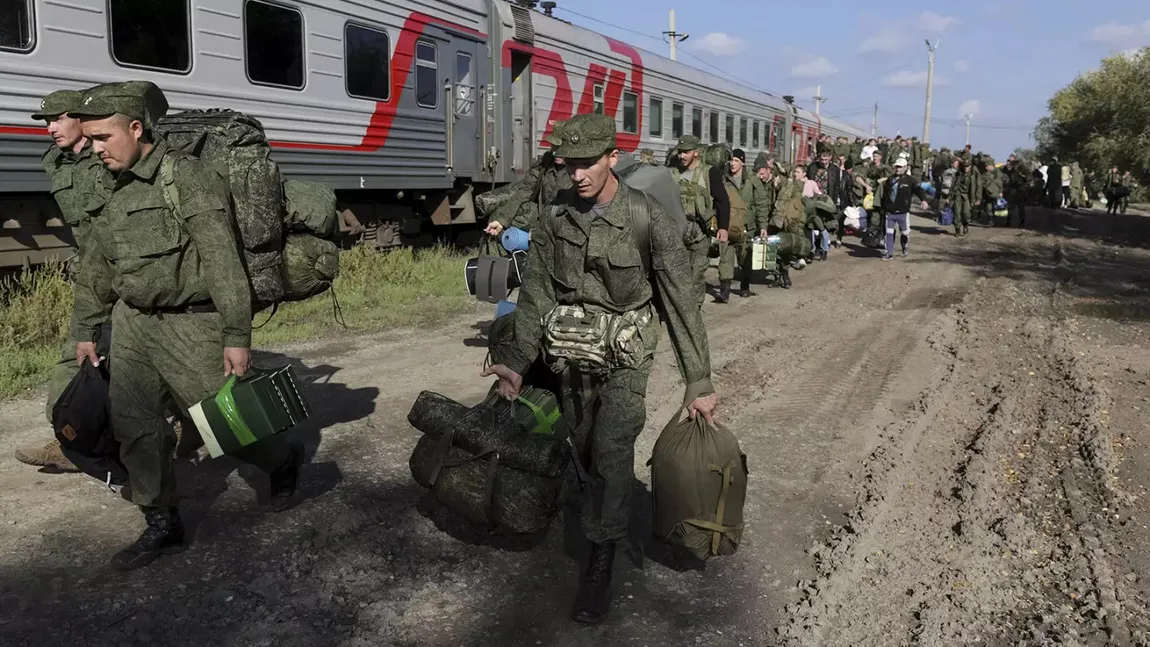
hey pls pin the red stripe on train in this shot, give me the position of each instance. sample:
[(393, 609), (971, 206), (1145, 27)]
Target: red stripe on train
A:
[(23, 130)]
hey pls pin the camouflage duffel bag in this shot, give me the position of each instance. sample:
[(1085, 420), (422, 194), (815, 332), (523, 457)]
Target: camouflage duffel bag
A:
[(792, 246), (310, 265), (498, 464)]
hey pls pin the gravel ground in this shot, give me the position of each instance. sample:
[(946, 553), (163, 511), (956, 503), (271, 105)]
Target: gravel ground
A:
[(945, 449)]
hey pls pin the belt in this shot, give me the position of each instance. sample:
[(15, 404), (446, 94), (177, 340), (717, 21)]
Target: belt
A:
[(195, 308)]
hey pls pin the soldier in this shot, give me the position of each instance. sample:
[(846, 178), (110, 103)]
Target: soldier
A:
[(520, 201), (1128, 184), (73, 171), (647, 156), (1016, 182), (747, 195), (182, 312), (876, 173), (605, 404), (965, 155), (963, 195), (829, 177), (704, 198), (991, 188), (1112, 189), (765, 171)]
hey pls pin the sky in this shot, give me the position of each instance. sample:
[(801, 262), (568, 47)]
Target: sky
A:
[(999, 60)]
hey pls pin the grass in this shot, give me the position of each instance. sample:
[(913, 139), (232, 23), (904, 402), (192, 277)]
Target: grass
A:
[(376, 291)]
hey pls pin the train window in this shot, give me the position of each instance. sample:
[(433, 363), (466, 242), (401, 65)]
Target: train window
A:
[(598, 94), (697, 122), (743, 132), (16, 33), (154, 34), (730, 130), (365, 60), (655, 119), (676, 120), (779, 137), (426, 75), (755, 134), (464, 86), (273, 39), (631, 112), (714, 138)]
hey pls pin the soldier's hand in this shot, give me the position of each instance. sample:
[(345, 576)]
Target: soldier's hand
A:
[(510, 382), (722, 235), (86, 350), (237, 361), (705, 406), (762, 233), (494, 228)]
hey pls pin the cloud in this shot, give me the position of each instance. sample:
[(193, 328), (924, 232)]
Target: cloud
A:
[(815, 68), (930, 21), (886, 41), (1116, 34), (717, 43), (969, 107), (961, 65), (908, 79)]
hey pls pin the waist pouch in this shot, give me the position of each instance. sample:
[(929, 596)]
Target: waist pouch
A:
[(596, 342)]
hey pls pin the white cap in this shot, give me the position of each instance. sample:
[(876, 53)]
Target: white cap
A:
[(900, 161)]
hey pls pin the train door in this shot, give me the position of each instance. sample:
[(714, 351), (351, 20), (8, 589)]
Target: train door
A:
[(461, 88), (521, 102)]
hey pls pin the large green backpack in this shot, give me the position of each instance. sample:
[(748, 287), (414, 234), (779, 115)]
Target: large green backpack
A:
[(266, 209)]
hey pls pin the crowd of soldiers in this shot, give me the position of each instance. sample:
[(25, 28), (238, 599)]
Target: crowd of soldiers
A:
[(168, 278)]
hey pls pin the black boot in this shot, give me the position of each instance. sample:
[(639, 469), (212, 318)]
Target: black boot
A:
[(745, 290), (164, 535), (724, 294), (285, 479), (594, 596), (784, 276)]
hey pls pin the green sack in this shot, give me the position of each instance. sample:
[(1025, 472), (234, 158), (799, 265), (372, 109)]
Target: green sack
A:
[(310, 266), (792, 246), (310, 207), (698, 487), (717, 155)]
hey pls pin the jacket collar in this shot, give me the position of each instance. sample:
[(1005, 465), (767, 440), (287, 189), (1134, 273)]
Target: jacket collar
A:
[(145, 168)]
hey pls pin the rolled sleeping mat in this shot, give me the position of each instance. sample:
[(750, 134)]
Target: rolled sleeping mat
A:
[(515, 239)]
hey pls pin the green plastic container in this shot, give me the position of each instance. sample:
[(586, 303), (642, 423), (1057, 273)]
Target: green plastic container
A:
[(246, 410)]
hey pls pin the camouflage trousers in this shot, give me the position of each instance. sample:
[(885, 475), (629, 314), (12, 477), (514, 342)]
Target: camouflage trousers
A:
[(961, 213), (699, 246), (732, 256), (606, 414), (154, 356)]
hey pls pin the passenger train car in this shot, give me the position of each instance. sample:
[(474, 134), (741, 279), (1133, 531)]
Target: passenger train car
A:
[(408, 108)]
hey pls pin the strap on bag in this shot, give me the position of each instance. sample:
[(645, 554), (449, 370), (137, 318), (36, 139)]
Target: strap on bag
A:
[(442, 450)]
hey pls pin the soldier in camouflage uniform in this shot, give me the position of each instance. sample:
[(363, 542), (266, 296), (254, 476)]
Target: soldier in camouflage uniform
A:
[(518, 204), (962, 193), (990, 187), (748, 199), (704, 200), (1016, 182), (875, 174), (182, 312), (595, 267), (765, 171), (73, 170)]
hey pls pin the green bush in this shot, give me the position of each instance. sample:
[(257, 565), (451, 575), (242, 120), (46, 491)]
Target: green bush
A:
[(35, 314)]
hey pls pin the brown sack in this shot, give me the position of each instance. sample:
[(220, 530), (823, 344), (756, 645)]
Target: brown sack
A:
[(698, 487)]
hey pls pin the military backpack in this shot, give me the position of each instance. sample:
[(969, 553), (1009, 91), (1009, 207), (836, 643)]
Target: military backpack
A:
[(285, 228)]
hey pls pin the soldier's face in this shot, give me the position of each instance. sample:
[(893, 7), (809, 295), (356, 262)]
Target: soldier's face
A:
[(956, 163), (876, 158), (590, 175), (66, 131), (825, 159), (116, 140), (799, 173), (736, 166), (686, 158), (764, 174)]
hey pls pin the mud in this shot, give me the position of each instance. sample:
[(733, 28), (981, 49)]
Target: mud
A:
[(946, 449)]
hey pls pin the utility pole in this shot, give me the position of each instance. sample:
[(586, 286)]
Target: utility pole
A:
[(929, 90), (675, 37), (819, 99), (874, 122), (969, 116)]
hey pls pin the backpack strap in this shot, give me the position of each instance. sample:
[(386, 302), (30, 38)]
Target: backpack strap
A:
[(641, 224), (168, 184)]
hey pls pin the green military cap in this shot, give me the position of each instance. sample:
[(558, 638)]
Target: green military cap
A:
[(587, 137), (141, 100), (761, 161), (555, 137), (688, 143), (58, 103)]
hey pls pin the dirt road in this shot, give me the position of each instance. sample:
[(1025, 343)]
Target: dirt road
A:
[(945, 449)]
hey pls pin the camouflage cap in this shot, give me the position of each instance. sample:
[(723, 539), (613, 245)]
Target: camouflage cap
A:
[(58, 103), (141, 100), (587, 137), (688, 143), (761, 161), (555, 137)]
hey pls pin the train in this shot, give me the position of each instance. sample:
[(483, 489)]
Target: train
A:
[(408, 109)]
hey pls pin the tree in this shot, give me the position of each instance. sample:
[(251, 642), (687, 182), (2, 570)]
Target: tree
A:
[(1028, 156), (1102, 119)]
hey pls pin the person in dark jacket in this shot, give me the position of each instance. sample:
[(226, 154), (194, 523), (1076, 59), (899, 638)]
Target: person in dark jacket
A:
[(900, 190), (1054, 184)]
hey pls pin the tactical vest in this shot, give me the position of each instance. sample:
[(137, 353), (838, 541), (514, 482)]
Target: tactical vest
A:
[(737, 227), (696, 195)]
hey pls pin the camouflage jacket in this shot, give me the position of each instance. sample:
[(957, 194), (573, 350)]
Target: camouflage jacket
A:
[(154, 259), (578, 258), (754, 196), (990, 185), (77, 187), (539, 187)]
